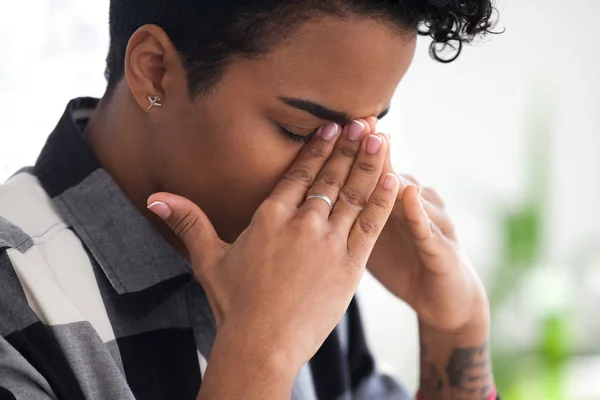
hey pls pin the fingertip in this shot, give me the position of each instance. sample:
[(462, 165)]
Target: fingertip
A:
[(391, 181), (158, 196), (151, 199), (161, 209), (384, 141), (410, 190), (372, 122), (366, 126)]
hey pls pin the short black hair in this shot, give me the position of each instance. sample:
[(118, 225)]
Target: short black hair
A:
[(208, 33)]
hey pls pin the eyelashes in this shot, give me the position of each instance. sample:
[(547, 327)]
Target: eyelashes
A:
[(302, 139)]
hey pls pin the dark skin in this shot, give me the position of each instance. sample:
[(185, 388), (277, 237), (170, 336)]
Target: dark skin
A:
[(236, 131), (226, 152)]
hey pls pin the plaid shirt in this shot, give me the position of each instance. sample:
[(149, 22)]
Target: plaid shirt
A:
[(94, 304)]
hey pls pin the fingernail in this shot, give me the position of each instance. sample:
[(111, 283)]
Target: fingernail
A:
[(355, 130), (161, 209), (390, 182), (329, 131), (373, 144)]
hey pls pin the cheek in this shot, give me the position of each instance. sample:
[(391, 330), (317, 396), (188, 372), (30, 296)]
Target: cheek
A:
[(253, 158)]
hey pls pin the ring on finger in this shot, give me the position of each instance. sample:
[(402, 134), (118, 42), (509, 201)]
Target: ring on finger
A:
[(321, 197)]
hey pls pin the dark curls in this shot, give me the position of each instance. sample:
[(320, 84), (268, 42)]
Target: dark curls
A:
[(451, 23), (209, 33)]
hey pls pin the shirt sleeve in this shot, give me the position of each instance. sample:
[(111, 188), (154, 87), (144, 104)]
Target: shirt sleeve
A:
[(19, 379)]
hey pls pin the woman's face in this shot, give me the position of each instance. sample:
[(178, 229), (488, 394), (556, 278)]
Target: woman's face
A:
[(227, 151)]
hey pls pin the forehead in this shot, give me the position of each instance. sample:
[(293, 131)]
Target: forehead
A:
[(349, 64)]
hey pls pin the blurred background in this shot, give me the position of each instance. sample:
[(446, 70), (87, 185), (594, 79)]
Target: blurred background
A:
[(509, 134)]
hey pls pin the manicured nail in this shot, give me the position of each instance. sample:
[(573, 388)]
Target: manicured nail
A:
[(373, 144), (355, 130), (390, 182), (161, 209), (329, 131)]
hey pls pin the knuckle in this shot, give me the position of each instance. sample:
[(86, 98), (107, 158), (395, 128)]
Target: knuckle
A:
[(331, 179), (271, 208), (433, 196), (347, 151), (310, 221), (353, 197), (429, 190), (367, 167), (380, 202), (316, 151), (367, 226), (433, 228), (183, 226), (299, 174)]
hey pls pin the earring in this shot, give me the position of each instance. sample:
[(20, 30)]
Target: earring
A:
[(154, 102)]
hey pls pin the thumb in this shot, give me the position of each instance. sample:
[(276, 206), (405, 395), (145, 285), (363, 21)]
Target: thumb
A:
[(387, 163), (188, 222)]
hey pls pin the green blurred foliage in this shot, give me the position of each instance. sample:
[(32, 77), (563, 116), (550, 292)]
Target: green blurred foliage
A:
[(536, 372)]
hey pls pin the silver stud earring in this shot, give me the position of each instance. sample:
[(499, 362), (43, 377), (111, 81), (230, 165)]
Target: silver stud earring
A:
[(154, 102)]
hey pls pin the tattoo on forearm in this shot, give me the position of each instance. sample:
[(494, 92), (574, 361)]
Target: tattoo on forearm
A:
[(431, 379), (467, 374)]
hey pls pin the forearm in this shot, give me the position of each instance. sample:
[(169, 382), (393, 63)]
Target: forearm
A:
[(240, 369), (456, 366)]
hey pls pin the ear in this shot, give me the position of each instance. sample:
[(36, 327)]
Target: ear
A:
[(150, 63)]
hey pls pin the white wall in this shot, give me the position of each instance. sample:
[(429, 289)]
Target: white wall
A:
[(462, 129), (458, 127)]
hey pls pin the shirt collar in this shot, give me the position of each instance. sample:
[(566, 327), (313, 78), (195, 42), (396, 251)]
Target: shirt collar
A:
[(132, 254)]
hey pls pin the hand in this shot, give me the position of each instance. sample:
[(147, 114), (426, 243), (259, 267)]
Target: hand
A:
[(290, 276), (417, 258)]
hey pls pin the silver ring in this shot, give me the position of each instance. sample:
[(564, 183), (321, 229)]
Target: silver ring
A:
[(322, 197)]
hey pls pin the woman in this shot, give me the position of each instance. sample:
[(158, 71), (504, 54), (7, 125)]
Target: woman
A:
[(250, 129)]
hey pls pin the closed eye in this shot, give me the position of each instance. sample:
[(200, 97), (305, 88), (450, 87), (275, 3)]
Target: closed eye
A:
[(302, 139)]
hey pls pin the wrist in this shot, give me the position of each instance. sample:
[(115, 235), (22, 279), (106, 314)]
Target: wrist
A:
[(241, 366), (456, 363), (280, 356), (473, 328)]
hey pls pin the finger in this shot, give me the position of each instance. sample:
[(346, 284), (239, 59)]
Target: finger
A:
[(332, 177), (361, 182), (440, 218), (372, 122), (428, 238), (301, 174), (436, 213), (433, 197), (189, 223), (387, 164), (412, 179), (370, 222)]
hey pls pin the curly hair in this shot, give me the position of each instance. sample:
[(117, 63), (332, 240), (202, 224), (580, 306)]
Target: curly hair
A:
[(451, 23), (208, 33)]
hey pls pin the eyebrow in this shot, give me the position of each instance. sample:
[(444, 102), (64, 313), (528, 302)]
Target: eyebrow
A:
[(323, 112)]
